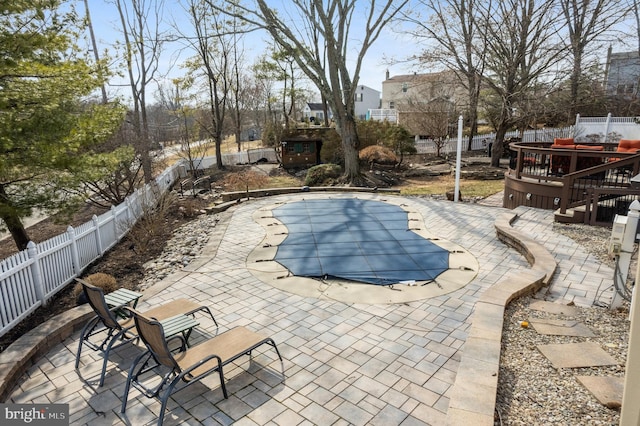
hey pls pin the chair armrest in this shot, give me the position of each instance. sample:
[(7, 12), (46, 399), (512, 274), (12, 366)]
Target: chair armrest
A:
[(183, 342)]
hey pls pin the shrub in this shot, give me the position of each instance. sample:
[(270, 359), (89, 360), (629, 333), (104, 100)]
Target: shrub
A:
[(188, 207), (245, 180), (152, 225), (331, 148), (378, 154), (106, 282), (320, 174)]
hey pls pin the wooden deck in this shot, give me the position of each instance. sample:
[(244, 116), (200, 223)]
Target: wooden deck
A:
[(589, 185)]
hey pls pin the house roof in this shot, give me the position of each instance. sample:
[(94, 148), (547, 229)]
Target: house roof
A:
[(315, 106), (625, 55), (362, 87), (412, 77)]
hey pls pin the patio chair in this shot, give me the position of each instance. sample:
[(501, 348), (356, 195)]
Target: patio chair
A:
[(187, 365), (122, 331)]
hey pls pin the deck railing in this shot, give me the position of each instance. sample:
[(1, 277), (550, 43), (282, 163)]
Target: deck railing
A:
[(590, 178)]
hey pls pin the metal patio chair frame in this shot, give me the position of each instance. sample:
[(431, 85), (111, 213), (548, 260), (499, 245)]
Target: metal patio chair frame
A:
[(120, 332), (187, 365)]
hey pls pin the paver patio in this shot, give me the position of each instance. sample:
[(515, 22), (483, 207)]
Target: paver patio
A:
[(344, 363)]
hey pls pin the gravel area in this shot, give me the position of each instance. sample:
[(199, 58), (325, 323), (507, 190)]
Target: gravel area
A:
[(533, 392)]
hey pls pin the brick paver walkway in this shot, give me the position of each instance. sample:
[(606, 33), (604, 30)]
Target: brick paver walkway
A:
[(387, 364)]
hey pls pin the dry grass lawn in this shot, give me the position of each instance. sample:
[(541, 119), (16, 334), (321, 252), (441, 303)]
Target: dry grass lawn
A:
[(442, 184)]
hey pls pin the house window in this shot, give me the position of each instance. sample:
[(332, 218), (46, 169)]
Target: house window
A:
[(291, 148), (405, 87), (392, 105), (307, 148), (358, 97)]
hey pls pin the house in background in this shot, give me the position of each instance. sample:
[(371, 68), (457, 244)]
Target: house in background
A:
[(622, 77), (405, 92), (314, 112), (423, 103), (366, 99)]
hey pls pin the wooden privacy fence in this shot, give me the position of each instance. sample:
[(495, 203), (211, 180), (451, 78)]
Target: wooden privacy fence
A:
[(30, 278)]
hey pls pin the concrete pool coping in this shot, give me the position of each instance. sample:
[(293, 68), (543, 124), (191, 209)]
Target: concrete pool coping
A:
[(463, 267)]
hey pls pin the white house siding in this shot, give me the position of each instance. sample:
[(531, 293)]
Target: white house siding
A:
[(366, 98), (623, 76), (402, 90)]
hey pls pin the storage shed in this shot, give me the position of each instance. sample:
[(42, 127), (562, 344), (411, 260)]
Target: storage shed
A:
[(300, 152)]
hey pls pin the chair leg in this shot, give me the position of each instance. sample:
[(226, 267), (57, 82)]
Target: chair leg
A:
[(165, 397), (222, 385), (205, 308), (84, 334), (114, 339), (127, 386), (272, 343)]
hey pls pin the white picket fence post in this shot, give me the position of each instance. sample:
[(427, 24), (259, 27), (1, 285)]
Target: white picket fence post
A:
[(96, 227), (36, 273), (75, 258)]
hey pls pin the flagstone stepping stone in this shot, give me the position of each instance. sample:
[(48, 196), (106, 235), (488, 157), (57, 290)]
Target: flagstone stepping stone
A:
[(561, 327), (553, 308), (607, 390), (576, 355)]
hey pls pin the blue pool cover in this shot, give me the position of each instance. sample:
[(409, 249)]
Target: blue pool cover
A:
[(359, 240)]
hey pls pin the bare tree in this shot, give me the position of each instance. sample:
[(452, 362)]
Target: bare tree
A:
[(264, 86), (213, 44), (94, 46), (140, 20), (280, 66), (452, 26), (589, 24), (177, 100), (521, 47), (236, 87), (432, 119), (346, 34)]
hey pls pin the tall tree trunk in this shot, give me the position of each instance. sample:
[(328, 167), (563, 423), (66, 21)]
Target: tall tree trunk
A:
[(350, 145), (238, 133), (94, 45), (496, 149), (145, 144), (574, 84), (325, 110), (11, 219), (474, 96)]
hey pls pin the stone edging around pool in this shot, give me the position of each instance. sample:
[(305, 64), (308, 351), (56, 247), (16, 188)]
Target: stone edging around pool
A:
[(474, 392), (463, 266)]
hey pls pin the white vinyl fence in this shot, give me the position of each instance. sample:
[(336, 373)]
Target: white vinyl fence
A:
[(234, 158), (593, 129), (30, 278), (481, 142)]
